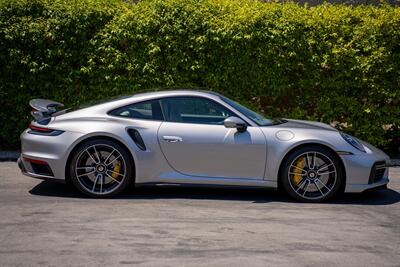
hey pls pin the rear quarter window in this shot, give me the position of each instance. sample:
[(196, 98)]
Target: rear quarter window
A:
[(146, 110)]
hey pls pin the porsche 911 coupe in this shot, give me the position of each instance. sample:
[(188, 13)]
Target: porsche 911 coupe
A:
[(194, 137)]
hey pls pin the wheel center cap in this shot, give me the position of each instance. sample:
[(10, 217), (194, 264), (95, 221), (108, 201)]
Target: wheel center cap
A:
[(101, 168), (312, 174)]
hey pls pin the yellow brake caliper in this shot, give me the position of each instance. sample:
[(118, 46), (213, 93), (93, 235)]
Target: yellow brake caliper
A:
[(116, 170), (297, 171)]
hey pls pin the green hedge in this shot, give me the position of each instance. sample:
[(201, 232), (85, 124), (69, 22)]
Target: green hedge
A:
[(333, 63)]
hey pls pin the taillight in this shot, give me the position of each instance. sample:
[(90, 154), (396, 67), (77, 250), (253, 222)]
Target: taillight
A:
[(39, 129), (33, 129)]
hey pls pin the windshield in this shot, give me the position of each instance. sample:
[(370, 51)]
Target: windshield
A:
[(257, 118)]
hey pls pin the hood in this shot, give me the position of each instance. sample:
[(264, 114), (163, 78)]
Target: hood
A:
[(301, 124)]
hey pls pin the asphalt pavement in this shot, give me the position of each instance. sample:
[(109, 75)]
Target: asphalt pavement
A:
[(49, 224)]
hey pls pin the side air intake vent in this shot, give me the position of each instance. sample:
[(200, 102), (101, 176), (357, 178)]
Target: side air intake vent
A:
[(137, 138), (377, 172)]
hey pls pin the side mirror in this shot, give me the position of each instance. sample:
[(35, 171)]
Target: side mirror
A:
[(235, 122)]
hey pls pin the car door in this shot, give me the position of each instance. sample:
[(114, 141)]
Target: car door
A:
[(195, 142)]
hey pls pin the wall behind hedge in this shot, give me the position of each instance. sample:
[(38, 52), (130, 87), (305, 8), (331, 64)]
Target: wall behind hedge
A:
[(333, 63)]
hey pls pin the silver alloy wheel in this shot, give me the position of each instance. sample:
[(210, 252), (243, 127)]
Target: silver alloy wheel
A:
[(312, 175), (100, 169)]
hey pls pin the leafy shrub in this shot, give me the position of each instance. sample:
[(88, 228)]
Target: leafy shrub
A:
[(333, 63)]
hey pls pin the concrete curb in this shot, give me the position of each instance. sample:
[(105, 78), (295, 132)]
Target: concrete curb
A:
[(9, 155), (395, 162)]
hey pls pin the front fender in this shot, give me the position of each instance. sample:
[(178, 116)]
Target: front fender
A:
[(279, 148)]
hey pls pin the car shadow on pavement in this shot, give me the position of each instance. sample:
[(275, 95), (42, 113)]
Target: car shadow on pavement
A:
[(255, 195)]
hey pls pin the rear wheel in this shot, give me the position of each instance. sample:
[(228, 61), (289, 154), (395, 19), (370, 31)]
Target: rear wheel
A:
[(312, 174), (101, 168)]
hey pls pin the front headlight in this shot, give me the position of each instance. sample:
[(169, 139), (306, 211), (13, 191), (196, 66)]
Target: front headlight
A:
[(353, 141)]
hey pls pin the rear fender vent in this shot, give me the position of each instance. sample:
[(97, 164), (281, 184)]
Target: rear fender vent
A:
[(137, 138)]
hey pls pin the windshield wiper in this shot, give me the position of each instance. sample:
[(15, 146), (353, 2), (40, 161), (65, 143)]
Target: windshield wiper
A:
[(277, 121)]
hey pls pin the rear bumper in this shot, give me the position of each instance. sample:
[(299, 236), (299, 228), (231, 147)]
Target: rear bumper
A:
[(51, 150), (26, 169)]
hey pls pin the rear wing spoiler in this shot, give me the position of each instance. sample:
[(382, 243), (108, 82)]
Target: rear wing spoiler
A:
[(43, 108)]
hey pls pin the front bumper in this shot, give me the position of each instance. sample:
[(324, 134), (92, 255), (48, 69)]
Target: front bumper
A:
[(358, 188), (361, 174)]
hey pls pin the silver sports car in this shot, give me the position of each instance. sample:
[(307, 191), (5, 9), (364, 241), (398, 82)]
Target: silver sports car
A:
[(194, 137)]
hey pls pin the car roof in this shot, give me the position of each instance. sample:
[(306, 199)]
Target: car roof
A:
[(164, 93), (160, 94), (105, 107), (119, 101)]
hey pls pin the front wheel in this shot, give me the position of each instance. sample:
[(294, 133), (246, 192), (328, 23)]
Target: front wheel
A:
[(312, 174), (101, 168)]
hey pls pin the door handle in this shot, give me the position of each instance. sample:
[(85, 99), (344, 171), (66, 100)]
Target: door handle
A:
[(172, 139)]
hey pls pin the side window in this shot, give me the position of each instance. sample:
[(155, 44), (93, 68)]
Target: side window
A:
[(148, 110), (194, 110)]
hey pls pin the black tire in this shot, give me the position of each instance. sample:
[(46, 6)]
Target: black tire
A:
[(305, 181), (101, 168)]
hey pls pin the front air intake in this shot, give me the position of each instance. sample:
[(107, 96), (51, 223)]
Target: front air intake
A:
[(137, 138), (377, 172)]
